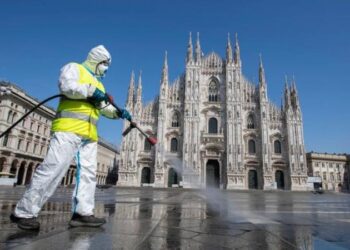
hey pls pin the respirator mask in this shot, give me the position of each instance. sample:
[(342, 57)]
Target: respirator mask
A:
[(102, 68)]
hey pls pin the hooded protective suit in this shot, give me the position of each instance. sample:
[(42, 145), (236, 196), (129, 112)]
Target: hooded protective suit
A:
[(74, 137)]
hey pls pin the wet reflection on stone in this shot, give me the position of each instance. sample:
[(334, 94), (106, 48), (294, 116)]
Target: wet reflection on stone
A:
[(109, 209), (173, 233), (84, 238), (186, 219)]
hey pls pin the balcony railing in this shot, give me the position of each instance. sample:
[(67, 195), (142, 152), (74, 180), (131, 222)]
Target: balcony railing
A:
[(212, 138)]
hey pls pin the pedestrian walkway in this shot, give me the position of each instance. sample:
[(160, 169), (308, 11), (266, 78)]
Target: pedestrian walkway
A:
[(186, 219)]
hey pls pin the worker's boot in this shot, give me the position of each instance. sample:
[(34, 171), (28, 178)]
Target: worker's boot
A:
[(25, 223), (86, 221)]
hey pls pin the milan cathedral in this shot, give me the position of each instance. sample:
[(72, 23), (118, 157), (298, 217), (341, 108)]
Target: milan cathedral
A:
[(215, 128)]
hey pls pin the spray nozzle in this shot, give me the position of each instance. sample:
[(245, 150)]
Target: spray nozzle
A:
[(152, 140)]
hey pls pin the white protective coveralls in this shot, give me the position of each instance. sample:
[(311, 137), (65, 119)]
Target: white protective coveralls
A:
[(66, 146)]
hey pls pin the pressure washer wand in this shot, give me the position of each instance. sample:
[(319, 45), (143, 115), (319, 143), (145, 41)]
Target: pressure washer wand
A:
[(151, 140)]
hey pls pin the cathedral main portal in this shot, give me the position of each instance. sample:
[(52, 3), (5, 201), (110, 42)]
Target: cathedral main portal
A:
[(213, 174)]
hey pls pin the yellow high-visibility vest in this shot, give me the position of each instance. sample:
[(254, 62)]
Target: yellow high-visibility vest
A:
[(79, 116)]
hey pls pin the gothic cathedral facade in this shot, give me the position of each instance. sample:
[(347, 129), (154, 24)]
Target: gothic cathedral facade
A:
[(214, 128)]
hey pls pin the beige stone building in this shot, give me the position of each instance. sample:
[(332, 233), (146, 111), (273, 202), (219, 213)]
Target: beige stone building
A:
[(107, 161), (24, 148), (332, 168)]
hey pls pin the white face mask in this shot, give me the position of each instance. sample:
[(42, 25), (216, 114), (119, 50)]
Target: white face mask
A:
[(101, 69)]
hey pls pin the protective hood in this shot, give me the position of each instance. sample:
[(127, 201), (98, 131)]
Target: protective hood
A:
[(95, 58)]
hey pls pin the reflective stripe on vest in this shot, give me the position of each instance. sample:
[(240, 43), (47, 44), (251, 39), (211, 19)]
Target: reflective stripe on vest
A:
[(78, 116)]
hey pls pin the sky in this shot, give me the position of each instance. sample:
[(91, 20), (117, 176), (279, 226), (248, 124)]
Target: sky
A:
[(309, 40)]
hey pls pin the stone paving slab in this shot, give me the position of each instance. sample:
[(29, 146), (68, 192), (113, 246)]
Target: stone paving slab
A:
[(146, 218)]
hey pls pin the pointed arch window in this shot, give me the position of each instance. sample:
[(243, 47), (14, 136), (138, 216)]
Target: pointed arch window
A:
[(251, 147), (173, 145), (250, 122), (213, 91), (175, 120), (277, 147), (213, 126)]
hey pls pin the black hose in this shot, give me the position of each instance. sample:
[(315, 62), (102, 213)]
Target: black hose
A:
[(28, 113)]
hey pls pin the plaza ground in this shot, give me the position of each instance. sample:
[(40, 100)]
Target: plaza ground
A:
[(187, 219)]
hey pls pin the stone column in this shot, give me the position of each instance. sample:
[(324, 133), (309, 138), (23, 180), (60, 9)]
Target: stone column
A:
[(6, 166), (17, 169), (66, 178), (24, 175), (73, 179), (33, 170), (69, 177)]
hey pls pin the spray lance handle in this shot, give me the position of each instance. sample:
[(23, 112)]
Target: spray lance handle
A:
[(151, 140), (110, 100), (119, 110), (131, 126)]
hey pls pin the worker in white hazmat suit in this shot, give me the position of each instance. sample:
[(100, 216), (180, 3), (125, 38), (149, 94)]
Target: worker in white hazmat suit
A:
[(74, 135)]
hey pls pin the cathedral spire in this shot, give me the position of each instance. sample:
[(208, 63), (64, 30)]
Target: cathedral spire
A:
[(165, 78), (294, 85), (287, 101), (228, 49), (130, 99), (189, 49), (139, 89), (237, 54), (198, 49), (262, 80), (295, 94), (285, 83)]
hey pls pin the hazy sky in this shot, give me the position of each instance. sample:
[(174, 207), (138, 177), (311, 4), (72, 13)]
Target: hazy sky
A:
[(307, 39)]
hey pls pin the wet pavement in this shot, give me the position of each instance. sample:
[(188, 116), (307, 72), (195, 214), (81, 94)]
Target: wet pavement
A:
[(187, 219)]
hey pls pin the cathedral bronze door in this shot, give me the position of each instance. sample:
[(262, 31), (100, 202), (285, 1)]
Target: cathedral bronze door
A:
[(213, 174), (146, 175), (172, 177), (279, 177), (252, 179)]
